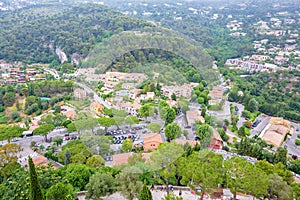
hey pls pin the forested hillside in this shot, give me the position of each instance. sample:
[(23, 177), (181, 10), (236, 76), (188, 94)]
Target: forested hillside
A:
[(126, 49), (32, 34), (276, 94)]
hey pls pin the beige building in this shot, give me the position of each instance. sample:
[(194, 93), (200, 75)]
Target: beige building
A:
[(152, 141), (276, 131), (79, 93), (192, 116), (180, 91), (130, 108), (216, 94)]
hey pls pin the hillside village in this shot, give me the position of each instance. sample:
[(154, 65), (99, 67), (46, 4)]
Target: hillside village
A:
[(74, 131)]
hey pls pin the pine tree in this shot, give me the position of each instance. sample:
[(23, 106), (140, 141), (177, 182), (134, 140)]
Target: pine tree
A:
[(145, 193), (35, 188)]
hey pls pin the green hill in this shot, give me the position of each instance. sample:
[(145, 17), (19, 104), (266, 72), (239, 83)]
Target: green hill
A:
[(32, 34)]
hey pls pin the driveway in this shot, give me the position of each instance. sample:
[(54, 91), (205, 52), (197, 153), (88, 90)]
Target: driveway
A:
[(289, 144)]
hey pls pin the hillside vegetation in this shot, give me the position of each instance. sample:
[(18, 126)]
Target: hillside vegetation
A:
[(32, 34), (276, 94), (142, 46)]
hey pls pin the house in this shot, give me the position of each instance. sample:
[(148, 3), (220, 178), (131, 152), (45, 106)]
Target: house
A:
[(79, 93), (192, 143), (180, 91), (290, 47), (213, 102), (128, 86), (132, 94), (216, 141), (119, 76), (280, 60), (97, 108), (260, 57), (152, 141), (122, 93), (110, 84), (130, 108), (40, 160), (192, 116), (276, 131), (122, 158), (68, 112), (171, 103), (148, 95), (31, 71), (216, 93)]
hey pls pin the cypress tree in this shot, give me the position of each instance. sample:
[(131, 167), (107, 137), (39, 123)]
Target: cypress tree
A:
[(67, 156), (145, 193), (35, 188)]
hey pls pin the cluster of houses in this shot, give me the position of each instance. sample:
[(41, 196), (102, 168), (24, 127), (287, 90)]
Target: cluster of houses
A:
[(127, 97), (15, 75), (251, 66), (153, 140), (270, 57), (236, 28)]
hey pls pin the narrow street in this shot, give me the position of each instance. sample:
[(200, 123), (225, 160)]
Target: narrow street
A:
[(97, 98)]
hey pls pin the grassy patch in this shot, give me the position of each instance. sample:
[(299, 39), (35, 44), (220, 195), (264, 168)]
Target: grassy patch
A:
[(3, 118), (80, 104)]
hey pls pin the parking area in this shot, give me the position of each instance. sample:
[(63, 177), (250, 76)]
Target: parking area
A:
[(259, 124), (119, 135)]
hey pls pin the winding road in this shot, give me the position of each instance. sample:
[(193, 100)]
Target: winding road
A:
[(97, 98)]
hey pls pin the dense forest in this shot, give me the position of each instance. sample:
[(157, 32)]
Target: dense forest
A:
[(32, 34), (276, 94)]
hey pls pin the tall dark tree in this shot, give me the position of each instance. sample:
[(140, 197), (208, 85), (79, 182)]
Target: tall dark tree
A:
[(35, 187), (67, 157), (145, 193)]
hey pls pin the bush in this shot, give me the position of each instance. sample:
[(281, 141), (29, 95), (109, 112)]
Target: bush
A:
[(297, 142), (225, 148), (2, 108), (14, 115), (298, 136)]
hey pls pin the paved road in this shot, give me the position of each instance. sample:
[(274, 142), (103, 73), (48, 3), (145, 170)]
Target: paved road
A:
[(26, 149), (258, 129), (96, 97), (233, 135), (241, 108), (290, 142), (52, 72), (225, 113)]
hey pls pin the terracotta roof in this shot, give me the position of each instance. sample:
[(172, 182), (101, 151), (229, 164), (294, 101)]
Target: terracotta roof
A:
[(39, 160), (194, 115), (122, 158), (216, 92), (152, 141), (192, 143), (152, 137), (275, 134), (216, 135)]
